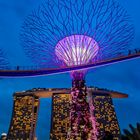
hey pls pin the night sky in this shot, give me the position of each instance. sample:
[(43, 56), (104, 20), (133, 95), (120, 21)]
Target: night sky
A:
[(123, 77)]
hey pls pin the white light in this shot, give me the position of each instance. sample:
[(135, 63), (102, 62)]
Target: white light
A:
[(76, 50)]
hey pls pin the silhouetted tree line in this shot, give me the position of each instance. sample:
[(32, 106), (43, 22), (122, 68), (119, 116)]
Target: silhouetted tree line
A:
[(132, 134)]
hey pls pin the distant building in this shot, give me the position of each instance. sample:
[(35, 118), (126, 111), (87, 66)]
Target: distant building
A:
[(24, 117), (60, 122), (104, 113), (105, 116), (25, 111)]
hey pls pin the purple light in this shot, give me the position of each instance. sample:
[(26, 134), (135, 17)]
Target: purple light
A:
[(76, 50), (73, 33), (63, 24)]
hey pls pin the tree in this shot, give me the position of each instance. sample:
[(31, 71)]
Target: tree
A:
[(132, 134)]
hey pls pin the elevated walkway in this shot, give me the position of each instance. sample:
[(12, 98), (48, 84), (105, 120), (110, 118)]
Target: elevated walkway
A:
[(35, 71)]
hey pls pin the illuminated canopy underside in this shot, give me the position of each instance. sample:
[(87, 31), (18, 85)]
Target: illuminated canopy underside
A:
[(76, 50), (51, 35)]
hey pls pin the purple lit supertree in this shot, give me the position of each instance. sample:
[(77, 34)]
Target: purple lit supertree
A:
[(75, 32)]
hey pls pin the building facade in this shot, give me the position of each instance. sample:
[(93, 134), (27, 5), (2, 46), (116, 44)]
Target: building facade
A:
[(26, 105), (23, 122), (104, 113)]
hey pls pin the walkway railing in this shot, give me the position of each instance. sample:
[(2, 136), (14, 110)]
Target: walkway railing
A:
[(18, 71), (130, 53)]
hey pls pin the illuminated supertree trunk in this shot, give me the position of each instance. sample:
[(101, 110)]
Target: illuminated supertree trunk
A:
[(92, 117), (82, 123)]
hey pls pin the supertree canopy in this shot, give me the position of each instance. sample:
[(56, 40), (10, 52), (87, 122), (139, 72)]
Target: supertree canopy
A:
[(3, 61), (76, 50), (76, 32)]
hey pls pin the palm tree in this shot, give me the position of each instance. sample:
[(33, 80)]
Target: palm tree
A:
[(132, 134)]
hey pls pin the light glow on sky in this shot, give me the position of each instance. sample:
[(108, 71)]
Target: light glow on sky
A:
[(76, 50)]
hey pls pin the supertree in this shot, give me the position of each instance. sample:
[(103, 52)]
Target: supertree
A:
[(63, 33)]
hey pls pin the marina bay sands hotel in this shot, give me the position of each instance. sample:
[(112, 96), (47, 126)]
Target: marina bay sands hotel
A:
[(26, 106)]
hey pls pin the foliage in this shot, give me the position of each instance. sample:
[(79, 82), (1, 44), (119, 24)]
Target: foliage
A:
[(132, 134)]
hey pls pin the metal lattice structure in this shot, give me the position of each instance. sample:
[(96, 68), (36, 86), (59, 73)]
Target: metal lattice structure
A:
[(72, 33), (105, 21), (3, 61)]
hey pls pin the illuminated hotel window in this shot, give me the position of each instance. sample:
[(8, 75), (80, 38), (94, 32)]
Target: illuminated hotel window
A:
[(104, 113), (24, 116)]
